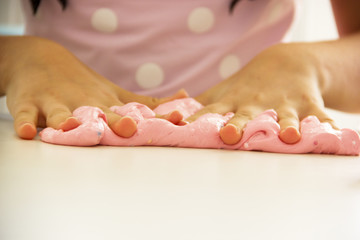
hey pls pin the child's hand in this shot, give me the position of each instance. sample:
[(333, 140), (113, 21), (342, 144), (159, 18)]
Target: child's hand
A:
[(44, 83), (283, 78)]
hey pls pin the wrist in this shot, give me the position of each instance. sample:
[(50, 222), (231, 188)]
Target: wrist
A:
[(302, 60)]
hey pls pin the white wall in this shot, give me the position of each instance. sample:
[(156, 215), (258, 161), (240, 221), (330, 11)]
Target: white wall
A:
[(10, 12), (11, 18), (315, 22)]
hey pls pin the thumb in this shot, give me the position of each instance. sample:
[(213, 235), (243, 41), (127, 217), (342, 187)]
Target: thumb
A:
[(152, 102), (178, 95)]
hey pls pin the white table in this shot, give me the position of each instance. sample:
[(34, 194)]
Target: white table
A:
[(50, 192)]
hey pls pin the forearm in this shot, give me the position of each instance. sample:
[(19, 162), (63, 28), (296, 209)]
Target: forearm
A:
[(338, 66), (340, 59)]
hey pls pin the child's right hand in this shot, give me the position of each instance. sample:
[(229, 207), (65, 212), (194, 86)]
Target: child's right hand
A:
[(44, 83)]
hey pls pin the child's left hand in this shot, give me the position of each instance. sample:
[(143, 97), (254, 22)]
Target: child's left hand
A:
[(284, 77)]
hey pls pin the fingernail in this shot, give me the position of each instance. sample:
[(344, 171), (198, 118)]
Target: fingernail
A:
[(175, 117), (230, 134), (290, 135), (69, 124), (125, 127), (27, 131)]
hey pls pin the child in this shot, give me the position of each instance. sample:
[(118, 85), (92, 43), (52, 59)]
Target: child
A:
[(227, 54)]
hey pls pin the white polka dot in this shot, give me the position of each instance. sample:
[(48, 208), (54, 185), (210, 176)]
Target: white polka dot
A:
[(149, 75), (200, 20), (228, 66), (104, 20)]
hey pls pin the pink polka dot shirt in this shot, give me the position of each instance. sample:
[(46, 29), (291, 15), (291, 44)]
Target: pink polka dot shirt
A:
[(156, 47)]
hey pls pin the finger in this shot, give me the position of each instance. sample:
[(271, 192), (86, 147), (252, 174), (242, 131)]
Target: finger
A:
[(178, 95), (25, 120), (323, 117), (69, 123), (231, 133), (121, 126), (41, 122), (174, 117), (220, 108), (289, 125), (59, 116)]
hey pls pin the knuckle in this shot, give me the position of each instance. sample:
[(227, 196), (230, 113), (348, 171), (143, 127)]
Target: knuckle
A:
[(312, 101), (58, 112), (258, 98), (288, 115), (219, 107), (154, 102), (151, 102), (287, 111), (244, 114), (326, 119), (24, 109), (211, 108)]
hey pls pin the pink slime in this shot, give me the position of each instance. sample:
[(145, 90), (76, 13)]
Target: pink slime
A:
[(260, 134)]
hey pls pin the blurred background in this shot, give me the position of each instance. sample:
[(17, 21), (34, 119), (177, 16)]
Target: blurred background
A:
[(315, 22)]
